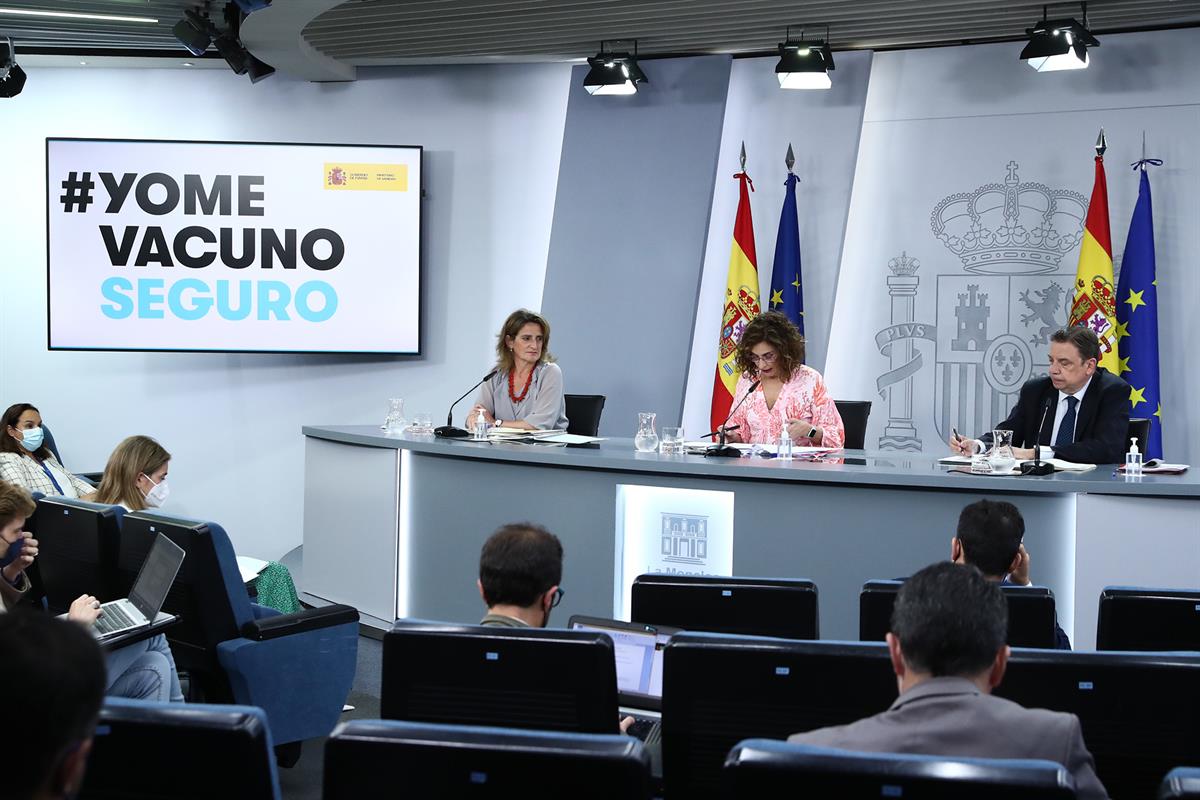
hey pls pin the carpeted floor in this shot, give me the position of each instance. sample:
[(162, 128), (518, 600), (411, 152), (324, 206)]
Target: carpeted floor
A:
[(303, 781)]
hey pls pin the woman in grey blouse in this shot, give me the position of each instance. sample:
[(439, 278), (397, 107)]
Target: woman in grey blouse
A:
[(527, 391)]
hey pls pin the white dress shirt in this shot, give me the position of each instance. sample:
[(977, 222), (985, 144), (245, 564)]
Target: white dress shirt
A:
[(1061, 410)]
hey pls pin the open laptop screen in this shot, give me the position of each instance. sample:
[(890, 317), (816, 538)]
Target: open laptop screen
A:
[(156, 576), (639, 655)]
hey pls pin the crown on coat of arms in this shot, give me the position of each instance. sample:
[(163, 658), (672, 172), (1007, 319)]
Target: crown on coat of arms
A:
[(904, 264), (1013, 227)]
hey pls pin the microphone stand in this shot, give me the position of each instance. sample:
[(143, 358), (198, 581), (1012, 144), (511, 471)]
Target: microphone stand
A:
[(449, 431), (723, 450), (1037, 466)]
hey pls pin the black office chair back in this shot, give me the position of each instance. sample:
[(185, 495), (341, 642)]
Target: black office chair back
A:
[(583, 413), (1139, 712), (1031, 612), (1181, 783), (77, 551), (759, 768), (462, 761), (719, 690), (1136, 618), (198, 596), (177, 751), (1139, 427), (518, 678), (854, 415), (784, 607)]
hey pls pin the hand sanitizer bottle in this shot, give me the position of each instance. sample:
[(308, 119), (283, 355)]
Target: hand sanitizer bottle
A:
[(1133, 460), (785, 444), (481, 427)]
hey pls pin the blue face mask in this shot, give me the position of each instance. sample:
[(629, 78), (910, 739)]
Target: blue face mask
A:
[(31, 439)]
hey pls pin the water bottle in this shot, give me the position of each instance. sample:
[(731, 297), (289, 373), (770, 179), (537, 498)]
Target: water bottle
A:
[(481, 427), (785, 444), (1133, 460)]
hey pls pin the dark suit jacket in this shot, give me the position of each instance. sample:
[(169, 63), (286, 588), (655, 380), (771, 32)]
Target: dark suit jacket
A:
[(951, 717), (1101, 422)]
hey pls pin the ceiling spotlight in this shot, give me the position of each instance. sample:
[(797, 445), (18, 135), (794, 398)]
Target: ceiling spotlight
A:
[(193, 32), (12, 77), (804, 64), (614, 72), (1058, 44)]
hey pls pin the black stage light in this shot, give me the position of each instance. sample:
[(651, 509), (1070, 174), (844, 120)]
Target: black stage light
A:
[(12, 77), (804, 64), (614, 72), (257, 70), (232, 51), (193, 32), (1058, 44)]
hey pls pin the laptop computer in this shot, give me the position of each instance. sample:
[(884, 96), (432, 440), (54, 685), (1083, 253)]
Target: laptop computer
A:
[(147, 595), (638, 649)]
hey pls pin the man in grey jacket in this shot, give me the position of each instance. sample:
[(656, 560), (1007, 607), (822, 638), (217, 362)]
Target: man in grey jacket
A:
[(947, 648)]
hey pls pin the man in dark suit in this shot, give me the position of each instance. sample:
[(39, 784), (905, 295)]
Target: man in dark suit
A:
[(1080, 410), (947, 648)]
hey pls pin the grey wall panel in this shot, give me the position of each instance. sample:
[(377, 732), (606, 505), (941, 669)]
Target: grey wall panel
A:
[(635, 187)]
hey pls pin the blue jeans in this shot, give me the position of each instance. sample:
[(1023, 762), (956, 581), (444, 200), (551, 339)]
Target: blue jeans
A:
[(144, 670)]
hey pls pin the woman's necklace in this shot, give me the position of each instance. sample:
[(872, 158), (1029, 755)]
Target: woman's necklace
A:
[(512, 388)]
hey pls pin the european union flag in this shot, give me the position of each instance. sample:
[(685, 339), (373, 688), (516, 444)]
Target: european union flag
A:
[(1137, 317), (787, 296)]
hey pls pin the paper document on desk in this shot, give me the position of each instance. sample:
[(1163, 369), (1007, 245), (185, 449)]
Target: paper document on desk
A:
[(570, 438), (1157, 466), (1058, 463), (250, 568)]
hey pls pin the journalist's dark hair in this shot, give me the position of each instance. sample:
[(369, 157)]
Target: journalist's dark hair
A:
[(991, 532), (950, 620), (518, 563), (8, 444), (1084, 340), (778, 331), (54, 677)]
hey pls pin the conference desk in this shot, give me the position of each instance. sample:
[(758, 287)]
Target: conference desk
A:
[(393, 524)]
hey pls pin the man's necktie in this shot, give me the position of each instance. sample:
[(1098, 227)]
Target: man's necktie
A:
[(1066, 431)]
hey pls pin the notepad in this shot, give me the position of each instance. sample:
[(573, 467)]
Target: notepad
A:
[(1157, 466), (250, 568)]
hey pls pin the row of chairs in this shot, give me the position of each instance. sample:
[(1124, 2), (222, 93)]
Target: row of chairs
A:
[(163, 751), (1130, 618), (298, 667), (1140, 712)]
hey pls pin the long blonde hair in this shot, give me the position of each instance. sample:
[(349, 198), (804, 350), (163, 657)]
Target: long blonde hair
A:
[(136, 455), (511, 327)]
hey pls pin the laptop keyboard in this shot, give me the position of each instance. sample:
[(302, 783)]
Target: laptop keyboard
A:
[(648, 729), (113, 619)]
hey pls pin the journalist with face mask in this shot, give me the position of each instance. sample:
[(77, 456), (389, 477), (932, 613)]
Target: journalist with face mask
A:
[(136, 475), (26, 461)]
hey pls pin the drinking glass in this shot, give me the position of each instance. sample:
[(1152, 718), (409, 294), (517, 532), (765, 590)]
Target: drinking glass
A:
[(422, 424), (672, 441)]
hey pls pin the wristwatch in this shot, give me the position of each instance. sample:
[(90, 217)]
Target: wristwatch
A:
[(812, 432), (499, 423)]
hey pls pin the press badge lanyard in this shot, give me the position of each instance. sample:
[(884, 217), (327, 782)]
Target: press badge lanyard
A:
[(50, 475)]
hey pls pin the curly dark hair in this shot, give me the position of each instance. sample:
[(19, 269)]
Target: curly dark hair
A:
[(778, 331)]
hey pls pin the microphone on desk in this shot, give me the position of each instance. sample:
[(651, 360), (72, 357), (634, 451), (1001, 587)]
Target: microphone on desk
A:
[(723, 449), (449, 431), (1037, 466)]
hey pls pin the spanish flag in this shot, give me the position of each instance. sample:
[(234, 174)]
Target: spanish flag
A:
[(1094, 303), (741, 302)]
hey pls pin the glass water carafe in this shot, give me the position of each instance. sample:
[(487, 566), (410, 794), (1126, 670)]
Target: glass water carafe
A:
[(1001, 454), (646, 440)]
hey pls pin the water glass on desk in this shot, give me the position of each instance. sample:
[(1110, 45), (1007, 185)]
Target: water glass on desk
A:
[(672, 442)]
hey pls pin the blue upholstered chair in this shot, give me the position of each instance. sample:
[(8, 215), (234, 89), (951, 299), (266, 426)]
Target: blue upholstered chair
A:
[(174, 751), (769, 768), (1181, 783), (297, 667), (460, 761)]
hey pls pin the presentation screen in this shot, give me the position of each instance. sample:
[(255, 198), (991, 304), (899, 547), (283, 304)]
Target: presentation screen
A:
[(233, 246)]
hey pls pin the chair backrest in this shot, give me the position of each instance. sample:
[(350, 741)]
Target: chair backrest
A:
[(1031, 612), (48, 440), (764, 768), (464, 761), (854, 415), (1139, 427), (174, 751), (1140, 712), (208, 594), (77, 550), (1139, 618), (1181, 783), (719, 690), (785, 607), (583, 413), (518, 678)]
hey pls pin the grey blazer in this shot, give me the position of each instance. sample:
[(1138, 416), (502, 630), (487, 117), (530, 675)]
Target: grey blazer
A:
[(952, 717)]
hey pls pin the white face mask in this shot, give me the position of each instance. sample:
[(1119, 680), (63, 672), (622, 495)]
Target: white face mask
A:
[(157, 495)]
